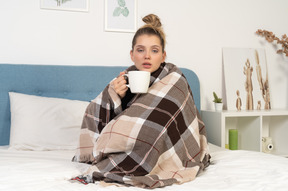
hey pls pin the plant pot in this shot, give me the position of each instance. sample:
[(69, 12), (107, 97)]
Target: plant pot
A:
[(218, 106)]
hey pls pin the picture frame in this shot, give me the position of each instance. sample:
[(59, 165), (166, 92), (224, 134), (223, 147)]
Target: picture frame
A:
[(65, 5), (121, 15), (246, 71)]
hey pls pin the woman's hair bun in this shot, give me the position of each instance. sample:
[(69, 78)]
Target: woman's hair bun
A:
[(153, 26), (153, 20)]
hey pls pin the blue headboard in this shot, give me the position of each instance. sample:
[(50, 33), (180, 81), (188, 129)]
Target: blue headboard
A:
[(70, 82)]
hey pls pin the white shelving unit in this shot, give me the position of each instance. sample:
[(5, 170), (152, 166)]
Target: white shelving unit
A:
[(251, 125)]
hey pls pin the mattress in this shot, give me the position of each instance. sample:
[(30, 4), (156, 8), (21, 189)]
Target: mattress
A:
[(229, 170)]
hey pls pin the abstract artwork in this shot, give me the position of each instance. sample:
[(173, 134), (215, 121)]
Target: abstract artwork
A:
[(246, 79)]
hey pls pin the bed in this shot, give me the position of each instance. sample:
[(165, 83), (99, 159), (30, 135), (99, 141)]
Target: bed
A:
[(34, 162)]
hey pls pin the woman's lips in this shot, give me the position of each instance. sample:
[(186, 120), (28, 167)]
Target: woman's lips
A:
[(146, 65)]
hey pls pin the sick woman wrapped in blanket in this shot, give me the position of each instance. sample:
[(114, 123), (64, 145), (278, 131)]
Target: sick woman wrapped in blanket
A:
[(151, 139)]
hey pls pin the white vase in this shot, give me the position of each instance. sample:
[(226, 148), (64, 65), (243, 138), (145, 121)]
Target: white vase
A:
[(218, 106)]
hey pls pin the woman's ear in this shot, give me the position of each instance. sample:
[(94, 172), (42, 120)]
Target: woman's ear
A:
[(164, 56), (131, 55)]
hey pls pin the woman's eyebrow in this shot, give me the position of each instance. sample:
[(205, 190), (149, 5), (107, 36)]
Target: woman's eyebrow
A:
[(139, 45), (153, 46)]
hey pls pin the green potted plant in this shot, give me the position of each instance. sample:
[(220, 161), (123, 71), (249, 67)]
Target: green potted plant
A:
[(218, 102)]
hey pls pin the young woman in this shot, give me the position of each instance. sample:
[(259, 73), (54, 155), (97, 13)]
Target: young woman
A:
[(148, 50), (148, 140)]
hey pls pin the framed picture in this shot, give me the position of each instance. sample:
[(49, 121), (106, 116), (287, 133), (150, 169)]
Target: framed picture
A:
[(120, 15), (65, 5), (246, 79)]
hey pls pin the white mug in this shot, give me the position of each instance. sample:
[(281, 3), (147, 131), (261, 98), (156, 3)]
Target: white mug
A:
[(138, 81)]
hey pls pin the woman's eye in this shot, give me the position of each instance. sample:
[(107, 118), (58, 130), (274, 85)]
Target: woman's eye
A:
[(155, 50), (140, 50)]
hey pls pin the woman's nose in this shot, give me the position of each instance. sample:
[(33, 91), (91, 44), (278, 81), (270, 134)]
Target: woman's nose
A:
[(147, 55)]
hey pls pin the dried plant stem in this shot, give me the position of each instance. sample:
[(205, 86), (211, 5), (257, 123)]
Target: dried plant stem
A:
[(270, 37)]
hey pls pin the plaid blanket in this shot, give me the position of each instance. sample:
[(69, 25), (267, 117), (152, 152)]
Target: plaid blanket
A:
[(158, 140)]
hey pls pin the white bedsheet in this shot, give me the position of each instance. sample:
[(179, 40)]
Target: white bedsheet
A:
[(230, 170)]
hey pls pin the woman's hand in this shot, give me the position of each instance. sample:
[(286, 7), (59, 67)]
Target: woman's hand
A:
[(120, 85)]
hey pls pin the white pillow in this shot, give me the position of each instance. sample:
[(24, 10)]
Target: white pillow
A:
[(42, 123)]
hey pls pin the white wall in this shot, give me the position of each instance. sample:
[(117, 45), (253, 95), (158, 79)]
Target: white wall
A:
[(196, 32)]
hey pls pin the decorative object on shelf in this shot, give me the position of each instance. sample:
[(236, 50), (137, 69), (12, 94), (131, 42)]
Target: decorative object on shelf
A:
[(270, 37), (259, 105), (238, 101), (251, 62), (267, 144), (120, 15), (218, 102), (233, 139), (248, 85), (264, 84), (65, 5)]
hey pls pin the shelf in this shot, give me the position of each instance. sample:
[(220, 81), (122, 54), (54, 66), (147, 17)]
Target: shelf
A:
[(244, 113), (251, 126)]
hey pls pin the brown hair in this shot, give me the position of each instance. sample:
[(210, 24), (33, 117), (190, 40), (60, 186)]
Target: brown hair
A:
[(153, 26)]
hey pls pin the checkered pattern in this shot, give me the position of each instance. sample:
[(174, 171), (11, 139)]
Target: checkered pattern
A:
[(157, 141)]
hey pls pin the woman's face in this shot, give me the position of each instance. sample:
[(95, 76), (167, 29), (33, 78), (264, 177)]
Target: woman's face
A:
[(147, 53)]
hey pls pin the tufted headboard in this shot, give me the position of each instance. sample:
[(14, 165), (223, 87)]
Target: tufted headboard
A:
[(70, 82)]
